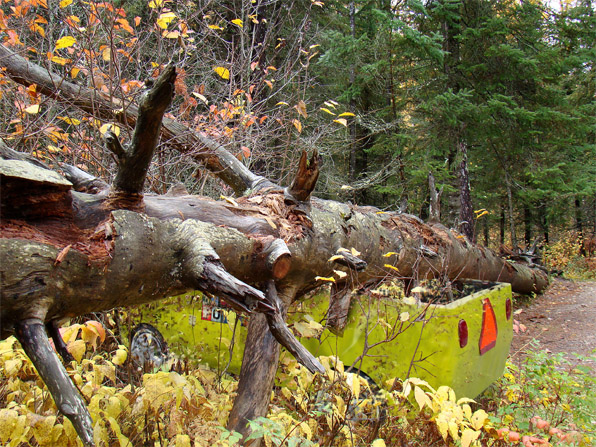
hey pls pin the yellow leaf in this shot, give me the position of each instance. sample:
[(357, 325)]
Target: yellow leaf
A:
[(42, 428), (155, 3), (390, 253), (327, 111), (378, 443), (74, 72), (282, 103), (65, 42), (201, 97), (215, 27), (32, 109), (301, 108), (323, 278), (453, 430), (70, 333), (335, 257), (229, 200), (353, 381), (67, 120), (106, 54), (270, 222), (346, 114), (165, 19), (478, 419), (171, 34), (422, 398), (443, 427), (331, 104), (341, 121), (120, 356), (65, 3), (355, 252), (340, 274), (297, 124), (53, 149), (468, 436), (39, 29), (77, 349), (89, 335), (9, 419), (60, 60), (238, 22), (108, 126), (224, 73)]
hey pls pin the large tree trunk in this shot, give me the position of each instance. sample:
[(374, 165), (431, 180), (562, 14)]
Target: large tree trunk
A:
[(87, 246)]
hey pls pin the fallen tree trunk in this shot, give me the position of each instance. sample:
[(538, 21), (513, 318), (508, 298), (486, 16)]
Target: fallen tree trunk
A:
[(100, 246)]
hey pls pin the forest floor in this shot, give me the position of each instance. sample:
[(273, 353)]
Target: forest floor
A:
[(563, 319)]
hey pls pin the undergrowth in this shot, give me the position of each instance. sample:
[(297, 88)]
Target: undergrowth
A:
[(565, 255), (545, 400)]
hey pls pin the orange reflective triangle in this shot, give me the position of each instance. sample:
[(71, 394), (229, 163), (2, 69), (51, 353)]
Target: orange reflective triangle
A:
[(489, 331)]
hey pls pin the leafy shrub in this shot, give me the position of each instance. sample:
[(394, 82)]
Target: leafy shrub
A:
[(549, 388), (565, 255), (546, 400)]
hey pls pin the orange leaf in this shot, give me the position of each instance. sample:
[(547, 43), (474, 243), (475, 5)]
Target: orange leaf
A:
[(125, 25), (98, 328)]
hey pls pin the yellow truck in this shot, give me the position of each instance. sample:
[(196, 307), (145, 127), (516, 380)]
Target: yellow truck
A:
[(463, 343)]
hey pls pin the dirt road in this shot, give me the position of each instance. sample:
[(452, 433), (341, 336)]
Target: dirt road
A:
[(563, 320)]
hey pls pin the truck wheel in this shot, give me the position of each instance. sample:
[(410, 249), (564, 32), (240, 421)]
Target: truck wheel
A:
[(148, 349), (370, 409)]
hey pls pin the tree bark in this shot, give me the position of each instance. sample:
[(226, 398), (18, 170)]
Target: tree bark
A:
[(466, 212)]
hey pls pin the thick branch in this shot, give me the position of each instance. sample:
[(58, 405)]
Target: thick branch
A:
[(133, 166), (339, 305), (284, 336), (82, 181), (259, 365), (278, 258), (347, 259), (306, 178), (32, 336)]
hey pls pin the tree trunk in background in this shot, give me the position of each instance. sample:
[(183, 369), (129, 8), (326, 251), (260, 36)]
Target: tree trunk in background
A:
[(466, 211), (579, 220), (502, 221), (511, 216), (527, 226), (544, 221), (353, 137)]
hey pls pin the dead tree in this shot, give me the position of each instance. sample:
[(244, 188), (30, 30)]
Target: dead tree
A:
[(82, 245)]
